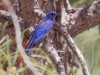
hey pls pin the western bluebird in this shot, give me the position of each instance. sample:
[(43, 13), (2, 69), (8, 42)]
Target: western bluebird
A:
[(41, 30)]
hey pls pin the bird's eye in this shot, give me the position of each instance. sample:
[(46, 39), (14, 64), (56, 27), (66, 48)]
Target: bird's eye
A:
[(52, 14)]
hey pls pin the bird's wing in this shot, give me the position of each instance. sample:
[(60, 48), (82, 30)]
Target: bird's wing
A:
[(40, 30)]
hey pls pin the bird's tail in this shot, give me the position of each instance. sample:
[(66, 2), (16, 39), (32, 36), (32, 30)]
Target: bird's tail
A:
[(29, 46)]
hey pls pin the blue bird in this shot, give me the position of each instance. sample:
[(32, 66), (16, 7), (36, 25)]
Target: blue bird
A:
[(41, 30)]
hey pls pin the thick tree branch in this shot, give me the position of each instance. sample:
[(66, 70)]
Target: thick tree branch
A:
[(55, 57), (85, 18)]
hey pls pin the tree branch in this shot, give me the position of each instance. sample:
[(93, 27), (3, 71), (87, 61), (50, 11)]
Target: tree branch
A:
[(74, 48), (67, 20), (19, 39), (5, 13), (85, 18), (68, 5), (55, 57)]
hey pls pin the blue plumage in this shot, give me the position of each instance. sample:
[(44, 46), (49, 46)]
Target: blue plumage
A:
[(41, 30)]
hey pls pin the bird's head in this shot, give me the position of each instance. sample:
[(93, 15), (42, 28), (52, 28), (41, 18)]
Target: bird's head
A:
[(50, 16)]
